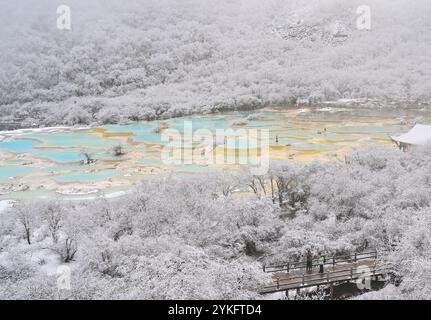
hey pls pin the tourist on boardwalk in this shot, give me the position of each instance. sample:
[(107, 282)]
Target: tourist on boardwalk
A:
[(309, 260), (321, 263)]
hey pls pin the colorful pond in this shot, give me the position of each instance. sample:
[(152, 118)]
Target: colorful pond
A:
[(76, 163)]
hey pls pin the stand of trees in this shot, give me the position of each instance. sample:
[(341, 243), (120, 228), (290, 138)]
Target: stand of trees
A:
[(143, 60), (193, 239)]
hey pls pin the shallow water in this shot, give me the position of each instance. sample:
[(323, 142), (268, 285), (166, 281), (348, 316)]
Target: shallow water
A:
[(49, 162), (10, 172), (18, 145)]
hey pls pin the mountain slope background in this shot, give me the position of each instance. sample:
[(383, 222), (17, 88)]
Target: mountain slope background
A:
[(141, 60)]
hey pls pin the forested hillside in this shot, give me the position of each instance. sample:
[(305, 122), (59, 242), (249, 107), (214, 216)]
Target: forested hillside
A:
[(132, 60)]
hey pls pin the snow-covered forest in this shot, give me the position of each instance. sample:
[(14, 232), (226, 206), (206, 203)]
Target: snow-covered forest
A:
[(196, 238), (208, 235), (133, 60)]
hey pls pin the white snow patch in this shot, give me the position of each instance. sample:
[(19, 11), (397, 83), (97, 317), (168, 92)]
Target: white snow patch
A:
[(329, 109), (277, 296), (21, 132), (47, 260), (5, 204), (76, 192)]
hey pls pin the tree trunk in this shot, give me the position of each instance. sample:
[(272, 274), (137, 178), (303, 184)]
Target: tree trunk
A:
[(27, 235)]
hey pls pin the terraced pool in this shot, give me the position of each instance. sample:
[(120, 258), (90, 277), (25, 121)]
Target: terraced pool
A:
[(52, 162)]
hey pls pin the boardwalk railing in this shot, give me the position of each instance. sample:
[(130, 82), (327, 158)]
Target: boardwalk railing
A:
[(345, 274), (329, 260)]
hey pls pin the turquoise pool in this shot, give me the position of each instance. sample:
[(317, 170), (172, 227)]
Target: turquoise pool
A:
[(56, 156), (8, 173)]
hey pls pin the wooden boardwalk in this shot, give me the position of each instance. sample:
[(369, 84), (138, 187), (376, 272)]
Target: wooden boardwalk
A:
[(337, 269)]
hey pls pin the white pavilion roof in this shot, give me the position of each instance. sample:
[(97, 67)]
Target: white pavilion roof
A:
[(420, 134)]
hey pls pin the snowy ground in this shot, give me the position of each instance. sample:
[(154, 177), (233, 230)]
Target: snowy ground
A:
[(4, 204)]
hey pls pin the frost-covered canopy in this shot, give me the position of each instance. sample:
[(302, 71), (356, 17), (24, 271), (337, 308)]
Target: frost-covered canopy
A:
[(139, 60)]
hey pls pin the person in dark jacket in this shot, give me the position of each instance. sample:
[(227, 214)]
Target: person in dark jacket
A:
[(309, 261)]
